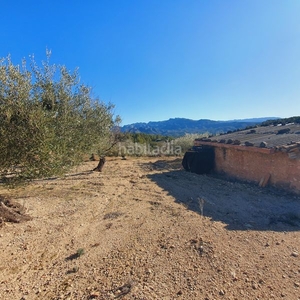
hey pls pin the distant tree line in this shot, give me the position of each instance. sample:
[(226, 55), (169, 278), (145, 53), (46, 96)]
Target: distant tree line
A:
[(145, 138), (155, 144)]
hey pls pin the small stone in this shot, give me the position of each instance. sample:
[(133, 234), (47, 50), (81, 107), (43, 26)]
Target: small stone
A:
[(297, 284), (295, 254), (263, 145), (255, 286), (38, 291), (222, 292)]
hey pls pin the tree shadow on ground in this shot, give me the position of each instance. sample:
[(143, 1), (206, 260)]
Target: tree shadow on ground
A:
[(242, 206), (69, 176)]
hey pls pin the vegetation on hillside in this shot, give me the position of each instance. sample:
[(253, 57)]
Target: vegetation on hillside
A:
[(283, 121), (48, 120), (143, 138), (142, 144)]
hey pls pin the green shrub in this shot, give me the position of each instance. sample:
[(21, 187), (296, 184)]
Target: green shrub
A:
[(187, 141)]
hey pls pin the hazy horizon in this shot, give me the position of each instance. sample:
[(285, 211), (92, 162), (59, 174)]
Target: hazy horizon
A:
[(225, 120)]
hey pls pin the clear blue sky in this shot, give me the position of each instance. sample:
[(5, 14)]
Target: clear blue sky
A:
[(160, 59)]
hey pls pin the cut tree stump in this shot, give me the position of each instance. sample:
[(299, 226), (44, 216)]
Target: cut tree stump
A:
[(100, 165), (11, 211)]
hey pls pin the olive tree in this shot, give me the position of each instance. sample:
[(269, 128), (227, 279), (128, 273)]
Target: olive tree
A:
[(48, 120)]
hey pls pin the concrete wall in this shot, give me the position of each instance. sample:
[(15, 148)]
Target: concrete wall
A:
[(273, 168)]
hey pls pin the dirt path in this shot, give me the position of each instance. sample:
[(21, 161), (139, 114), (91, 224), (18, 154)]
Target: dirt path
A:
[(135, 231)]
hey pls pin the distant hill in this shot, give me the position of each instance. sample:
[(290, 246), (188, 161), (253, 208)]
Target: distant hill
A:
[(180, 126)]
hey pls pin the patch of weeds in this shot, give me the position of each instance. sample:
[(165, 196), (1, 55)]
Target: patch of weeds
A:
[(76, 255), (112, 215), (80, 252)]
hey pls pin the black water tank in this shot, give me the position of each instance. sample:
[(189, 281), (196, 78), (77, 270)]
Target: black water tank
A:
[(201, 161)]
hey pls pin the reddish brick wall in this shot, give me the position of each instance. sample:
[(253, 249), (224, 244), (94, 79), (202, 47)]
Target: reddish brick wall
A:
[(250, 165)]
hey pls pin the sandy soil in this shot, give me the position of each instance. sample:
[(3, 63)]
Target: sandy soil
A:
[(139, 230)]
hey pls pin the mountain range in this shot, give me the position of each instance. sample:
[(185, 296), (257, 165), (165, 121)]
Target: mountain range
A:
[(180, 126)]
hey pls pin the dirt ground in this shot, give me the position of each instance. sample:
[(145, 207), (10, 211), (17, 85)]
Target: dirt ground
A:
[(146, 229)]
